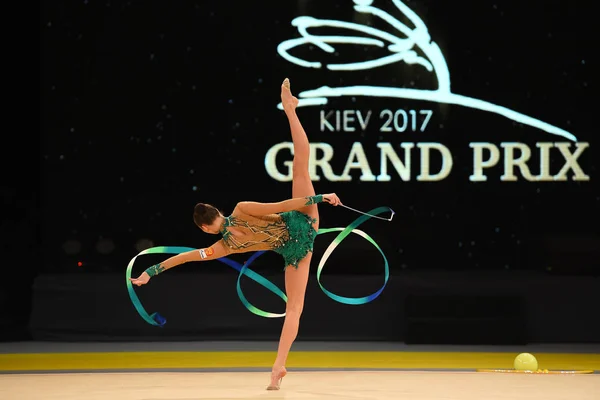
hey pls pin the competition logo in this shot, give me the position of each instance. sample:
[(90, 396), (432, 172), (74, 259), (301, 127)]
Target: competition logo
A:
[(413, 46)]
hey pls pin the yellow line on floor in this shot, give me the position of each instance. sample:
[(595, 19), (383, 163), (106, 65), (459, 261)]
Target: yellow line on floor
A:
[(300, 359)]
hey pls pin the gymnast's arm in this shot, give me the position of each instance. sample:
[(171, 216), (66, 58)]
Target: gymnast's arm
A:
[(257, 209), (217, 250)]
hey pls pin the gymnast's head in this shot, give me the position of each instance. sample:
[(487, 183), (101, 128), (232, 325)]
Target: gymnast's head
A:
[(208, 218)]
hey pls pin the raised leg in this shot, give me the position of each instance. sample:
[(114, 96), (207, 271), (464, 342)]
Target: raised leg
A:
[(301, 183), (295, 279)]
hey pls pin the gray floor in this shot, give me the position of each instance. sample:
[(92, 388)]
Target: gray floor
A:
[(65, 347)]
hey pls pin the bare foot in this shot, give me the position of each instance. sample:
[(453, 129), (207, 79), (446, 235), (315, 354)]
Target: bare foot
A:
[(288, 101), (277, 375)]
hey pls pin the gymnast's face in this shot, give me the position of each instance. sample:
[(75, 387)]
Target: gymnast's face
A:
[(213, 228), (208, 218)]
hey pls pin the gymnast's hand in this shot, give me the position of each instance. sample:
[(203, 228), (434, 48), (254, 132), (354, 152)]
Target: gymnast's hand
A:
[(332, 199), (141, 280)]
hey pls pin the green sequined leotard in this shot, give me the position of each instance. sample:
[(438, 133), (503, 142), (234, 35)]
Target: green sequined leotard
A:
[(290, 234)]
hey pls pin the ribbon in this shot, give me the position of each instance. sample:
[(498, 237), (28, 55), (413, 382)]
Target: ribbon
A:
[(244, 269)]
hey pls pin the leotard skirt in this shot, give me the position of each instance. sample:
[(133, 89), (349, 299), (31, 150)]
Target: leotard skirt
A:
[(301, 237)]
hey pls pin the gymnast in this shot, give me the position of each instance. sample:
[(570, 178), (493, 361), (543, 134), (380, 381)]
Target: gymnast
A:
[(287, 227)]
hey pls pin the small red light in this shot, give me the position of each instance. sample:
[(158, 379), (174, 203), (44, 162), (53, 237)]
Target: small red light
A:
[(79, 263)]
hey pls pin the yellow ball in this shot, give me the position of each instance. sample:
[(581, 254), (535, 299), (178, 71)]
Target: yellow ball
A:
[(526, 362)]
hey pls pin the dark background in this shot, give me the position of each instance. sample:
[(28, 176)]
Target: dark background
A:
[(149, 107)]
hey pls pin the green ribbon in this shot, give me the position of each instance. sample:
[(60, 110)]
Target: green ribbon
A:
[(158, 320)]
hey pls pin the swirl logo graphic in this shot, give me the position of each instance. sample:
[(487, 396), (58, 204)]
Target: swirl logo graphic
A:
[(401, 49)]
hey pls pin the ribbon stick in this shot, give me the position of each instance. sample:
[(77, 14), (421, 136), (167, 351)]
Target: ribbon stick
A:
[(371, 215), (244, 269)]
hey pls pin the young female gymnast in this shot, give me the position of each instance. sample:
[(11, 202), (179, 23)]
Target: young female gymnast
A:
[(288, 227)]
